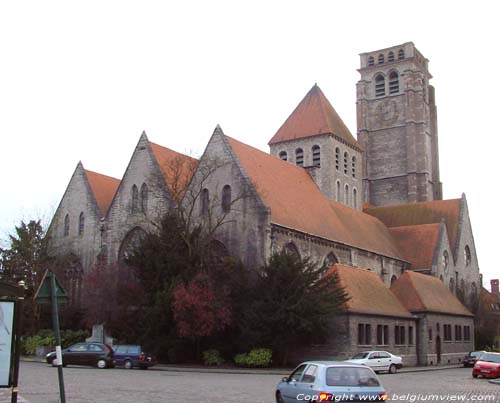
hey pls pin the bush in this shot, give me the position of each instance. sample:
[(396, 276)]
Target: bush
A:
[(212, 357), (45, 337), (259, 357)]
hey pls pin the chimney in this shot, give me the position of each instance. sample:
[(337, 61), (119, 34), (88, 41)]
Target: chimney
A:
[(494, 287)]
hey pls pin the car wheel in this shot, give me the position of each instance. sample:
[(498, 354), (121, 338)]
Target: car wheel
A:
[(128, 364), (474, 375), (102, 364), (392, 369), (279, 399)]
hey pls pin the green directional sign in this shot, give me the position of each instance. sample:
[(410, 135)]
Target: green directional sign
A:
[(42, 295)]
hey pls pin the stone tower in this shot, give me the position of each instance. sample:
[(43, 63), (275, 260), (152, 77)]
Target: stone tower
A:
[(397, 127)]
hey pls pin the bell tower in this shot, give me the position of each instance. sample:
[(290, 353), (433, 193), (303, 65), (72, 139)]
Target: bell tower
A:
[(397, 127)]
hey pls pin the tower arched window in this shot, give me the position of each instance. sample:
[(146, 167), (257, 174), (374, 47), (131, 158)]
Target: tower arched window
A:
[(379, 86), (292, 249), (401, 54), (144, 198), (393, 83), (135, 199), (330, 260), (467, 255), (299, 157), (346, 195), (66, 225), (381, 58), (81, 223), (338, 192), (283, 155), (205, 199), (337, 158), (371, 61), (226, 198), (354, 198), (393, 279), (316, 152), (446, 260), (346, 163), (353, 167), (390, 56)]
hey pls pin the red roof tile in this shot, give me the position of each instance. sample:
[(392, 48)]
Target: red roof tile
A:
[(368, 293), (417, 243), (177, 168), (296, 202), (430, 212), (314, 116), (104, 188), (424, 293)]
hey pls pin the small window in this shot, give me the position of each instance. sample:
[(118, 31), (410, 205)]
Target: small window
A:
[(393, 279), (458, 333), (430, 334), (299, 157), (338, 192), (316, 156), (205, 198), (371, 61), (354, 198), (66, 225), (447, 332), (226, 198), (135, 199), (346, 195), (393, 83), (283, 155), (446, 259), (390, 56), (346, 163), (379, 86), (144, 198), (466, 333), (353, 167), (81, 223), (401, 54), (382, 335), (297, 374), (467, 255), (337, 158), (410, 335), (364, 334), (381, 58)]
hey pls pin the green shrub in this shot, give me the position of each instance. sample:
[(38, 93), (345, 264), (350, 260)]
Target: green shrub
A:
[(212, 357), (259, 357), (70, 337), (240, 359), (45, 337)]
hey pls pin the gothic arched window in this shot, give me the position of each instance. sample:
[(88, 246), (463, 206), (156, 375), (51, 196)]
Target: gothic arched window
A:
[(226, 198), (390, 57), (283, 156), (337, 158), (379, 86), (371, 61), (346, 195), (338, 191), (446, 260), (299, 157), (330, 260), (467, 255), (81, 223), (316, 156), (381, 58), (353, 163), (135, 199), (144, 197), (291, 249), (205, 199), (66, 225), (393, 279), (346, 163), (401, 54), (393, 82), (354, 198)]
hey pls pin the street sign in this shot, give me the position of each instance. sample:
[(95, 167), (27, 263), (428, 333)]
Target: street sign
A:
[(43, 296)]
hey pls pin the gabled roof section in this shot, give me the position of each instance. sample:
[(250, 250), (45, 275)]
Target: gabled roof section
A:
[(368, 293), (417, 243), (424, 293), (104, 188), (296, 202), (176, 168), (314, 116), (431, 212)]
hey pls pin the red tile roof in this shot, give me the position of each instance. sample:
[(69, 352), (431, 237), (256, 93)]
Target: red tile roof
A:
[(177, 168), (314, 116), (424, 293), (104, 188), (417, 243), (296, 202), (430, 212), (368, 293)]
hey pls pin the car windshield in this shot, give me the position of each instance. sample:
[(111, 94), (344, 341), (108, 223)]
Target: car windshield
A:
[(360, 356), (476, 353), (345, 376), (490, 357)]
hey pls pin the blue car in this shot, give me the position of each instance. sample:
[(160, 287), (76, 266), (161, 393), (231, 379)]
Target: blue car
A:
[(132, 355), (330, 381)]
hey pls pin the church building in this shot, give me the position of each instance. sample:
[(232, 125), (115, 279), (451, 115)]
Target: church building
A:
[(370, 207)]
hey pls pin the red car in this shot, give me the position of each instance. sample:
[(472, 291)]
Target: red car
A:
[(487, 366)]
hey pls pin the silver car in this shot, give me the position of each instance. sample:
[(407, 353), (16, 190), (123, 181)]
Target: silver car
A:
[(330, 381), (378, 361)]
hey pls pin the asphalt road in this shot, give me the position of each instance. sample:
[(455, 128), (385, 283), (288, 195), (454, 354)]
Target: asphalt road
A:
[(39, 384)]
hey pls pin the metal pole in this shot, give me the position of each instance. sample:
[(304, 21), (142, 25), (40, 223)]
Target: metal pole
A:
[(55, 324), (17, 346)]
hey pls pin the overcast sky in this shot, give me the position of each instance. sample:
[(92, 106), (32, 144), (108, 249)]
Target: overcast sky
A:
[(82, 80)]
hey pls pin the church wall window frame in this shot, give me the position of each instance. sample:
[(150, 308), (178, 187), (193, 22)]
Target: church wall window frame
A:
[(390, 56), (382, 335), (381, 58), (299, 157), (346, 195), (316, 155), (144, 195), (226, 199), (283, 156), (135, 199), (204, 201), (81, 223), (354, 198), (393, 82), (66, 225), (346, 163), (379, 85), (292, 249), (371, 61), (401, 54), (339, 191), (337, 158), (364, 334), (467, 256), (353, 166)]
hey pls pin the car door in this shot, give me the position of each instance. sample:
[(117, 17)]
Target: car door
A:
[(373, 361), (289, 390), (75, 354), (305, 385), (385, 360), (93, 353)]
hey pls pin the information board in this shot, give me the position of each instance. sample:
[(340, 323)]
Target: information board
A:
[(6, 340)]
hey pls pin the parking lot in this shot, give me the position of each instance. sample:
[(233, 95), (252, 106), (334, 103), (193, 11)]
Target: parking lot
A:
[(38, 384)]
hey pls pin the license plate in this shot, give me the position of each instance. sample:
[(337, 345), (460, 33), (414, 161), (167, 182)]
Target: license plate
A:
[(485, 371)]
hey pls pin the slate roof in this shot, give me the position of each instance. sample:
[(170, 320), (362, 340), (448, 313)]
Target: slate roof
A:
[(430, 212), (296, 202), (104, 188), (312, 117), (424, 293), (368, 293), (417, 243)]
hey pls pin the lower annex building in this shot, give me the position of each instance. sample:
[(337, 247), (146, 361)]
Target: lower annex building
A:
[(371, 208)]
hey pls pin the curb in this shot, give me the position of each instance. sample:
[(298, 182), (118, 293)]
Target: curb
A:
[(494, 381)]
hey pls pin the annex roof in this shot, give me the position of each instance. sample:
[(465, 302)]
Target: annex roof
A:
[(296, 202), (430, 212), (417, 243), (103, 187), (424, 293), (314, 116), (368, 293)]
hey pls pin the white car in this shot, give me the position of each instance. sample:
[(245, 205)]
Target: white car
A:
[(378, 361)]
